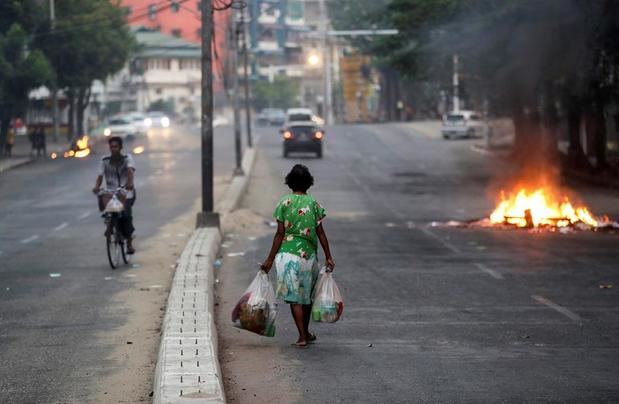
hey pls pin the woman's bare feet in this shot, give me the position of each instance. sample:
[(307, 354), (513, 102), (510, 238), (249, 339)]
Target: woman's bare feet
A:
[(300, 344)]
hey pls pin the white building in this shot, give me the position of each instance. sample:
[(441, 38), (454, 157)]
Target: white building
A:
[(165, 69)]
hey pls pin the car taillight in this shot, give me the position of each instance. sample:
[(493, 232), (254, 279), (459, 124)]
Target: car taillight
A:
[(318, 135), (287, 135)]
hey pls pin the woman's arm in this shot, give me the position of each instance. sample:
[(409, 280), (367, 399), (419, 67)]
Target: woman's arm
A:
[(322, 236), (277, 242)]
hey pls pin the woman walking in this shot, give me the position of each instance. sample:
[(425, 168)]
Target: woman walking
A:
[(294, 251)]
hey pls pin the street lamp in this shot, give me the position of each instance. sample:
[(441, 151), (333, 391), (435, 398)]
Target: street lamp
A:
[(313, 59)]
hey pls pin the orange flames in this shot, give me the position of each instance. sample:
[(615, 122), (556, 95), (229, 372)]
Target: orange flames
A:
[(541, 207), (80, 149)]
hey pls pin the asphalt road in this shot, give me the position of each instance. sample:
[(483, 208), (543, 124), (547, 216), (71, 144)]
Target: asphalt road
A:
[(431, 314), (55, 301)]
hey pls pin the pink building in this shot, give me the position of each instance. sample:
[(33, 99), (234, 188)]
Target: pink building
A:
[(181, 18)]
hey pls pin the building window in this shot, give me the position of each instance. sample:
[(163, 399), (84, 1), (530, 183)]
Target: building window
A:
[(177, 32), (199, 4), (152, 11), (158, 91), (175, 7), (199, 33)]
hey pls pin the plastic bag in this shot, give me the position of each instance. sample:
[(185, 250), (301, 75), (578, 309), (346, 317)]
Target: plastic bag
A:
[(257, 308), (114, 206), (328, 304)]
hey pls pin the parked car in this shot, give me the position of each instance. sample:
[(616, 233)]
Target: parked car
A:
[(303, 136), (121, 126), (271, 116), (459, 124)]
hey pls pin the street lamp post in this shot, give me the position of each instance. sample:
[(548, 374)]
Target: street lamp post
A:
[(207, 217), (234, 48), (54, 86), (250, 142)]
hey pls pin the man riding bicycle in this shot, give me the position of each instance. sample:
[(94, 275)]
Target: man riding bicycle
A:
[(118, 169)]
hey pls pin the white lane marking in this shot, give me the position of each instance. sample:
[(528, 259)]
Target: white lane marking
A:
[(567, 313), (55, 275), (489, 271), (447, 244), (108, 278), (30, 239), (84, 215), (62, 226)]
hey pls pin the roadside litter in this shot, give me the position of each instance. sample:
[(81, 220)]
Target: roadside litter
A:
[(256, 309), (235, 254), (328, 303)]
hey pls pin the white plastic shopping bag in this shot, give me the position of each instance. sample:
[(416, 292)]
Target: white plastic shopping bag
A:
[(114, 205), (328, 304), (257, 308)]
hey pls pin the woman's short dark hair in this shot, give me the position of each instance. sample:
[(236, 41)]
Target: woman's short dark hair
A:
[(299, 179), (116, 139)]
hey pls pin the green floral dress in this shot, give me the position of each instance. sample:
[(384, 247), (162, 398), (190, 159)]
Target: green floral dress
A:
[(296, 264)]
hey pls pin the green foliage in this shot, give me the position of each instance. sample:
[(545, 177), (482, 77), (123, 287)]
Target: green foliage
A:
[(21, 71), (282, 93), (90, 41)]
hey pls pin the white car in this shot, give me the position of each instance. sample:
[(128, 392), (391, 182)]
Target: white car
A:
[(299, 115), (157, 120), (121, 126), (139, 121), (458, 124)]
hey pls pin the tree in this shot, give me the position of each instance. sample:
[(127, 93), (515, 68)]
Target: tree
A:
[(21, 71), (539, 61), (281, 93), (90, 42)]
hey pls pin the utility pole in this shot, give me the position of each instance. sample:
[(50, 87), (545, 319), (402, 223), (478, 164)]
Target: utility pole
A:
[(456, 83), (54, 85), (250, 142), (207, 217), (326, 64), (234, 48)]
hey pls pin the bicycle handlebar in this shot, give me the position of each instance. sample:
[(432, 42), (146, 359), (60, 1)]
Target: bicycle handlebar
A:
[(112, 192)]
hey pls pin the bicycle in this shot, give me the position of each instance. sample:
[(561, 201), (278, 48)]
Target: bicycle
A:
[(114, 239)]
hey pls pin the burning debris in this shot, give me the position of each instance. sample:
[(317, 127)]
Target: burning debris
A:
[(538, 209), (80, 148)]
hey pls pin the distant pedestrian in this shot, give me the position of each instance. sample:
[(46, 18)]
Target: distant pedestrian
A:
[(41, 142), (32, 136), (10, 141), (295, 247)]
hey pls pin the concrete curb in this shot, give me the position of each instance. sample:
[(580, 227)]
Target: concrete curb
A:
[(187, 368), (4, 166)]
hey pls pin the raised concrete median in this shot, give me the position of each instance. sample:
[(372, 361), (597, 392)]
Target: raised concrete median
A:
[(187, 365)]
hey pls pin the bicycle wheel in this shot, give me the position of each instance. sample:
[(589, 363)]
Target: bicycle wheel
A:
[(114, 245)]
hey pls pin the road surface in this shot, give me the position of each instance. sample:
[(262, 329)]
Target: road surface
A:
[(431, 314)]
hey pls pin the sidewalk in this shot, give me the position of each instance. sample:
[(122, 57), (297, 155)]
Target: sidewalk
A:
[(21, 153)]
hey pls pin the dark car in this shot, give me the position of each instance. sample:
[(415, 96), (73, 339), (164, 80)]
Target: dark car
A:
[(303, 137)]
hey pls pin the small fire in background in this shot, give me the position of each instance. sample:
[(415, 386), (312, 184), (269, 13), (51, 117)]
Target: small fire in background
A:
[(79, 149), (54, 156), (138, 150), (538, 208), (541, 207)]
